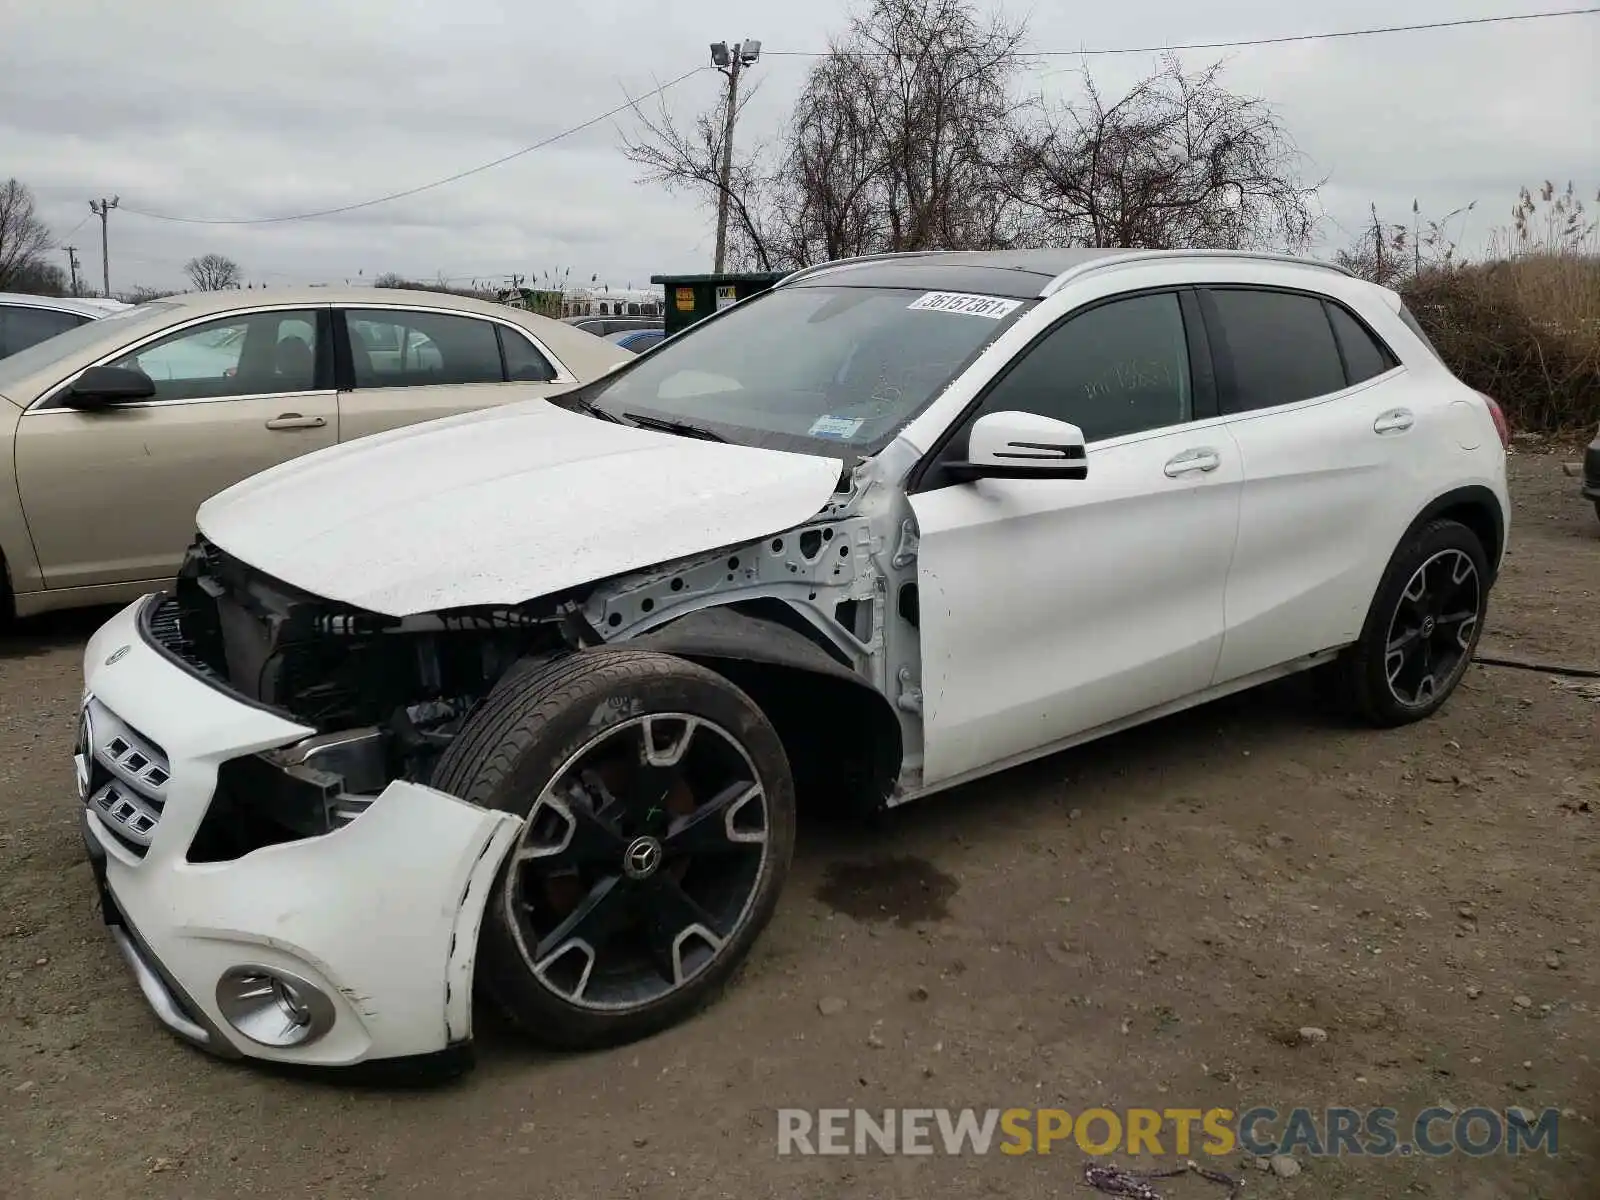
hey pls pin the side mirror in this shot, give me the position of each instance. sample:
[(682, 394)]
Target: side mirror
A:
[(104, 387), (1019, 445)]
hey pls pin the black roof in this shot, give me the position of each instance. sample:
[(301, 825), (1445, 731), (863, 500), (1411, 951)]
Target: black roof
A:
[(1018, 274)]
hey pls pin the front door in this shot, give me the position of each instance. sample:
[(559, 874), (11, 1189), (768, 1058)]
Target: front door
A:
[(110, 496), (1049, 608)]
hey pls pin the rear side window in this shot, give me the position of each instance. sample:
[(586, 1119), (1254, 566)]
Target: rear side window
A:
[(1415, 326), (1276, 348), (394, 348), (1364, 355)]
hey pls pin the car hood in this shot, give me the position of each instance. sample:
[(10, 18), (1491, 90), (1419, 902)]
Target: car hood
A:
[(504, 505)]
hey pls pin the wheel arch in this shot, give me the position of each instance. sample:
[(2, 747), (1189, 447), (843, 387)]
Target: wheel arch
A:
[(792, 678), (1476, 507)]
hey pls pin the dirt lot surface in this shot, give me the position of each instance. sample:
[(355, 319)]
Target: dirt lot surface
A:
[(1135, 924)]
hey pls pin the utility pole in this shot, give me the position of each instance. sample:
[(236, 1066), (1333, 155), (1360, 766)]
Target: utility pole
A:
[(72, 261), (102, 209), (729, 62)]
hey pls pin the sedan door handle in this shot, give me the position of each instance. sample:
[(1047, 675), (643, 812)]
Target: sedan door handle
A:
[(1396, 420), (1203, 459), (295, 421)]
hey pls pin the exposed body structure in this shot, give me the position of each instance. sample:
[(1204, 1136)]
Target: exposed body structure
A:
[(525, 698)]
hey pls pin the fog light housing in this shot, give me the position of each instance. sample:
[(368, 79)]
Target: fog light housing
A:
[(272, 1007)]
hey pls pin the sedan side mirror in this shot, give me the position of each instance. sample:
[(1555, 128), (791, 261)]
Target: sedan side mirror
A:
[(1021, 445), (104, 387)]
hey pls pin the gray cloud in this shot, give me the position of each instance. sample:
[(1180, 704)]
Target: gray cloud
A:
[(257, 109)]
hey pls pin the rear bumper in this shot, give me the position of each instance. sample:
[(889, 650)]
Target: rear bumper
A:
[(381, 916)]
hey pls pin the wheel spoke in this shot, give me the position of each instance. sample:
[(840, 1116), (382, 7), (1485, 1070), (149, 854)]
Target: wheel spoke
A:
[(598, 915), (588, 837), (672, 922), (716, 825), (666, 739)]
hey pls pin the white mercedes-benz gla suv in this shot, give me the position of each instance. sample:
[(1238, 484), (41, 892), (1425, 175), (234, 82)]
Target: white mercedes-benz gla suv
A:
[(521, 702)]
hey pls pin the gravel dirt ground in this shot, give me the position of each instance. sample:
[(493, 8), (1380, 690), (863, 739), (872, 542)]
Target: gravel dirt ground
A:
[(1134, 924)]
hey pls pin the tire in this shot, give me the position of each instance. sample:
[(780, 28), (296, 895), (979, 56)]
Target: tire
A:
[(576, 896), (1597, 508), (1361, 677)]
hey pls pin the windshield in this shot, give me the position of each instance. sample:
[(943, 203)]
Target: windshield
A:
[(23, 363), (824, 370)]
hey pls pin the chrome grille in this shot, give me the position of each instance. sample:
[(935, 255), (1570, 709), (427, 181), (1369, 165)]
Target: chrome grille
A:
[(127, 777)]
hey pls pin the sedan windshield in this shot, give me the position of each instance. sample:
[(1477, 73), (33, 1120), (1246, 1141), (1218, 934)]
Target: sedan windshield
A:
[(823, 370), (128, 321)]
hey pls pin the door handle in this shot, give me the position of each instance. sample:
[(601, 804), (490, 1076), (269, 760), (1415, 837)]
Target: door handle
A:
[(295, 421), (1396, 420), (1203, 459)]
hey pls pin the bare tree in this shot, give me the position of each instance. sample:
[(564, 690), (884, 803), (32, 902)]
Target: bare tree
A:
[(24, 238), (689, 159), (212, 273), (1177, 161), (909, 134)]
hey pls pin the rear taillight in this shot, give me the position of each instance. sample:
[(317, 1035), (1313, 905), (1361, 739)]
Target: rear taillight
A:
[(1499, 416)]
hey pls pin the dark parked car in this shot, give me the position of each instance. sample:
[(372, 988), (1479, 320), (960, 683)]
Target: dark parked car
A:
[(637, 341), (606, 326)]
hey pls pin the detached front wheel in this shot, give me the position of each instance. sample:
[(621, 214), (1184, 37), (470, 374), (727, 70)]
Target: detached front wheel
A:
[(659, 830)]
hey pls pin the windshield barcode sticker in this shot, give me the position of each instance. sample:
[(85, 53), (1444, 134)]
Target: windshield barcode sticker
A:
[(835, 427), (963, 304)]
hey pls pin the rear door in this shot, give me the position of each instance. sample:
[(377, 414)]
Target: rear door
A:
[(1325, 421), (110, 496), (403, 366)]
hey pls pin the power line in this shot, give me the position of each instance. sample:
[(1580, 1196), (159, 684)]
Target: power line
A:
[(1271, 41), (424, 187)]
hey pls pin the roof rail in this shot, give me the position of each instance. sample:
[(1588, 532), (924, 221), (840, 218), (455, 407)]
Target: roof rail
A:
[(837, 263), (1116, 260)]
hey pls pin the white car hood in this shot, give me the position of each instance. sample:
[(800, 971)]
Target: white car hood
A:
[(504, 505)]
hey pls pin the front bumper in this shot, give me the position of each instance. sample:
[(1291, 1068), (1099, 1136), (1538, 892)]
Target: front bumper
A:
[(380, 916), (1591, 470)]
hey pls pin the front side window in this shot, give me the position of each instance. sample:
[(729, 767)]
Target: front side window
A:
[(393, 348), (246, 355), (1115, 369), (1279, 346), (21, 326), (822, 369)]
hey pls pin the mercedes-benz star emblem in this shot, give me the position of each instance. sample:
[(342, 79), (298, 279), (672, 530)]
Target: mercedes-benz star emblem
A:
[(117, 654), (1427, 627), (641, 858)]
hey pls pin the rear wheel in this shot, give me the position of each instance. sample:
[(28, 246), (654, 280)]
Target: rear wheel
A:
[(1422, 628), (660, 827)]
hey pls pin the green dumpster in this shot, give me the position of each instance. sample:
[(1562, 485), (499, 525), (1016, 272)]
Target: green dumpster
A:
[(690, 298)]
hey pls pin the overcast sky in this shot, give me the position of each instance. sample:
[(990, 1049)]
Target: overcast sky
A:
[(251, 109)]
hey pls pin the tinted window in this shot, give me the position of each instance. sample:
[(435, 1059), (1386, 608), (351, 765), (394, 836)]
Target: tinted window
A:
[(524, 363), (1412, 324), (246, 355), (1364, 355), (1119, 368), (22, 327), (416, 349), (1280, 345)]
